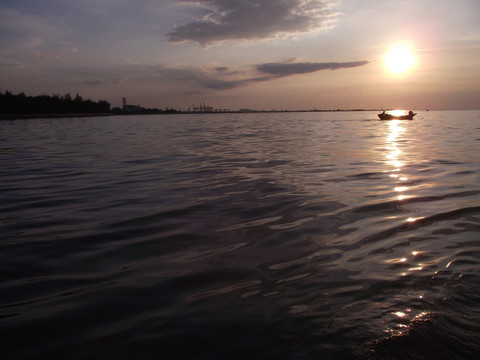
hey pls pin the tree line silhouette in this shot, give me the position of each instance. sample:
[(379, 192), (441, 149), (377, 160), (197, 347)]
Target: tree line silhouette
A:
[(45, 104)]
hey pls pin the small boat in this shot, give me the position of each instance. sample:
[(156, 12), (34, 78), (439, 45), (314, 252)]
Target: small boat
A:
[(385, 116)]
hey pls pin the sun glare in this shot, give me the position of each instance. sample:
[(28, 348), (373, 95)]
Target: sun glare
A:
[(399, 59)]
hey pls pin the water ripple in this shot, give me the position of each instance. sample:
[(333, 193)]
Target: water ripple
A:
[(290, 235)]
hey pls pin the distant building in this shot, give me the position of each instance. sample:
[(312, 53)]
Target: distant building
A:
[(245, 110), (130, 108)]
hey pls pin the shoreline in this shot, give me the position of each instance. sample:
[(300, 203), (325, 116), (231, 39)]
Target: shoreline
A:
[(57, 116), (48, 116)]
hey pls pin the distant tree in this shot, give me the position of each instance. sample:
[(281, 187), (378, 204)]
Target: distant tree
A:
[(55, 104)]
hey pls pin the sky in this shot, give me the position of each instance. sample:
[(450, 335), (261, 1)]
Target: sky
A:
[(231, 54)]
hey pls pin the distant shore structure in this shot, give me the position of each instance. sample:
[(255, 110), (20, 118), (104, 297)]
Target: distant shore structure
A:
[(130, 108), (205, 108)]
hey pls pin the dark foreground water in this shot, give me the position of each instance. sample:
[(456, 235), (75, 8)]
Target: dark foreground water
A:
[(248, 236)]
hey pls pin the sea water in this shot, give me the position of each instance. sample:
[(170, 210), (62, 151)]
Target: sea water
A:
[(241, 236)]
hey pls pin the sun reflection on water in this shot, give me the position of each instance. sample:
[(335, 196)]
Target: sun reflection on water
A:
[(395, 155), (402, 319), (394, 152), (400, 314)]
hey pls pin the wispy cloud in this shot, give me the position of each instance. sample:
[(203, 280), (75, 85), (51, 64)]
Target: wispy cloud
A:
[(94, 77), (34, 37), (32, 31), (288, 68), (224, 78), (8, 65), (216, 78), (109, 81), (221, 20)]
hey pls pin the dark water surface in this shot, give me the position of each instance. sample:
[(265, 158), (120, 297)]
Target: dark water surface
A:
[(248, 236)]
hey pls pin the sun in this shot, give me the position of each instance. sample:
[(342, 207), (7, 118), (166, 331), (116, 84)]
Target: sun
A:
[(399, 59)]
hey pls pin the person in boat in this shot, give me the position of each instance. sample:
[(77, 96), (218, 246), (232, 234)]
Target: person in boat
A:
[(410, 113)]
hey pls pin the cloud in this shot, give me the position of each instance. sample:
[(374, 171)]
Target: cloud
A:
[(95, 77), (44, 55), (70, 49), (113, 81), (224, 78), (34, 37), (289, 68), (217, 78), (222, 20), (10, 64), (32, 31), (106, 81)]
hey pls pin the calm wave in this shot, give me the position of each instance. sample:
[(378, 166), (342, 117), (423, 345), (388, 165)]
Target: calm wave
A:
[(236, 236)]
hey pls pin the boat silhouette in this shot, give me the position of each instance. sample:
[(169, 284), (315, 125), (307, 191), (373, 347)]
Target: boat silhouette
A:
[(387, 116)]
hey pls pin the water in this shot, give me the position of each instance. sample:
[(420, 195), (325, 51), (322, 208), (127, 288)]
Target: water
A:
[(236, 236)]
